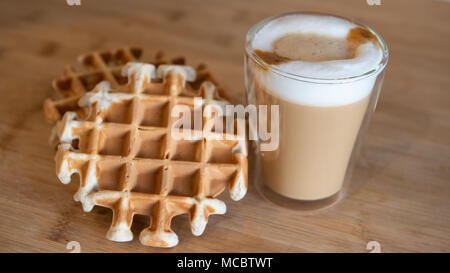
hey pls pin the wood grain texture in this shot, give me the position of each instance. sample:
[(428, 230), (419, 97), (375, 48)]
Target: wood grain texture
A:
[(404, 203)]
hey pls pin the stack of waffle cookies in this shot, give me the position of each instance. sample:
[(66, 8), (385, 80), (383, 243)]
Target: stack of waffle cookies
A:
[(134, 140)]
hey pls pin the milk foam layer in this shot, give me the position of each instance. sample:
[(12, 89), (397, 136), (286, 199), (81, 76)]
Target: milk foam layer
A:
[(367, 57)]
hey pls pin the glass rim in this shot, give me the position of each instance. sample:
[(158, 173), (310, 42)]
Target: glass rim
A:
[(249, 51)]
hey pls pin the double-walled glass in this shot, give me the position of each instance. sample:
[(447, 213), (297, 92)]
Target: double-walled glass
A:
[(317, 148)]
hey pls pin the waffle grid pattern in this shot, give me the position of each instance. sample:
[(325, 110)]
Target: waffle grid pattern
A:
[(96, 67), (104, 66), (129, 162)]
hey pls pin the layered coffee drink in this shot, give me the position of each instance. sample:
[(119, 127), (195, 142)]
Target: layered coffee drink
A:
[(323, 72)]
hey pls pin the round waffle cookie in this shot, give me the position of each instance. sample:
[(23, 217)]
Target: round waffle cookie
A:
[(128, 159)]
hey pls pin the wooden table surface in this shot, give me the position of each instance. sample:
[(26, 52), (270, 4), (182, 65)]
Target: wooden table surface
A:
[(404, 203)]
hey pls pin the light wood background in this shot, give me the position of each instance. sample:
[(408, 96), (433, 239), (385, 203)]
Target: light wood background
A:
[(404, 203)]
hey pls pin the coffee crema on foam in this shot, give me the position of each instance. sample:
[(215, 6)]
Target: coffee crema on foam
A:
[(318, 47)]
